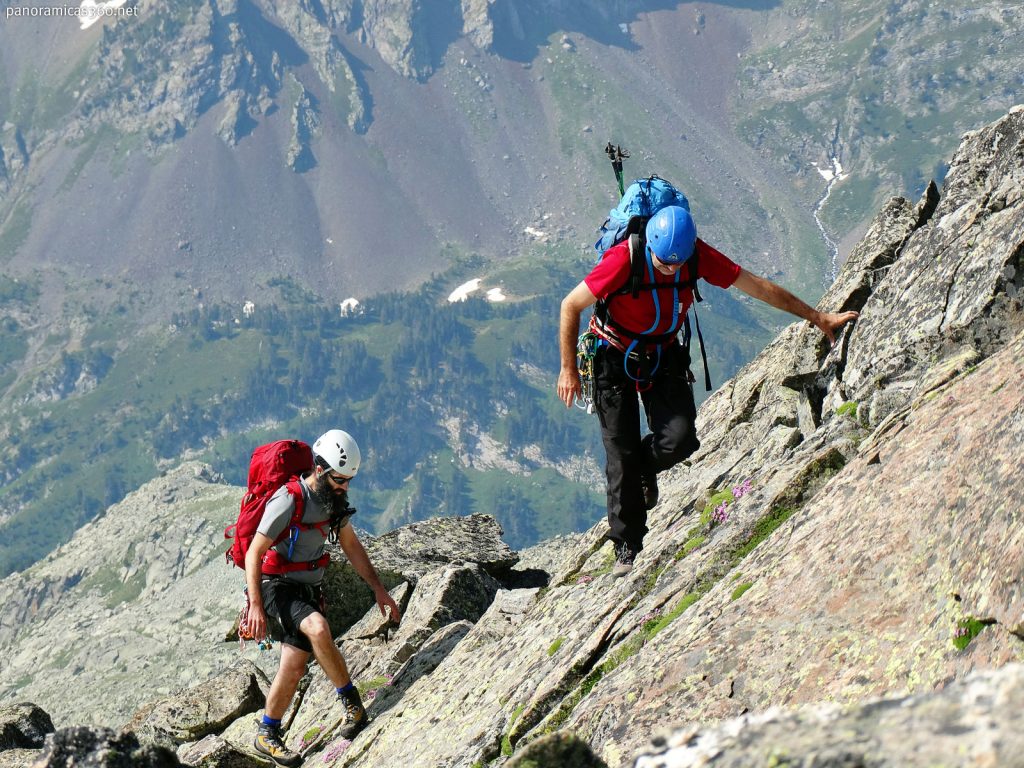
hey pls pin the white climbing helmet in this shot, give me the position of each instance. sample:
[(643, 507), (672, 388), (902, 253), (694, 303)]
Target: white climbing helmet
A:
[(339, 450)]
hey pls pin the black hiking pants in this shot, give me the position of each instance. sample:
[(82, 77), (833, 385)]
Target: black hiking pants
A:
[(671, 413)]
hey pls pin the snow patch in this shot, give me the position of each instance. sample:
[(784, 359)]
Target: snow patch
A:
[(462, 292), (348, 307), (472, 286), (91, 11), (835, 173)]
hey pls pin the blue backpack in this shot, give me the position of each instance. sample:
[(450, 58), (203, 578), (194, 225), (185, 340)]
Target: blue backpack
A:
[(643, 198)]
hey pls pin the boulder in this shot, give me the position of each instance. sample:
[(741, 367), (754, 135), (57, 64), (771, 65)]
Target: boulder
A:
[(85, 747), (214, 752), (23, 726), (409, 552), (207, 708)]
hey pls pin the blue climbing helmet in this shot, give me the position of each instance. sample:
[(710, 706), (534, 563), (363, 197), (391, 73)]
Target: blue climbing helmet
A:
[(671, 235)]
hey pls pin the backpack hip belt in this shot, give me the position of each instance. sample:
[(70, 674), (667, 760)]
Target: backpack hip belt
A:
[(275, 563)]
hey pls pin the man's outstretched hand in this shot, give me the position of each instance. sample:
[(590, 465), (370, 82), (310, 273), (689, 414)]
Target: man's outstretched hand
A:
[(830, 323)]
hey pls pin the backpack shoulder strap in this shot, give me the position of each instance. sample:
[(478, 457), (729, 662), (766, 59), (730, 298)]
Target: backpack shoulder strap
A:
[(692, 283), (295, 489)]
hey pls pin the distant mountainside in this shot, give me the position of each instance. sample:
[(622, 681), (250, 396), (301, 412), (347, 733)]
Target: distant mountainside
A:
[(327, 139), (833, 579)]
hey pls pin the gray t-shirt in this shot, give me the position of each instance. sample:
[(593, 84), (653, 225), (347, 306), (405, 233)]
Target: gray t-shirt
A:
[(308, 543)]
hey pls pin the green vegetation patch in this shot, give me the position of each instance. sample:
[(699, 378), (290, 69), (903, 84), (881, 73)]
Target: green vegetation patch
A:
[(738, 592), (848, 409), (553, 648), (506, 739), (694, 542), (367, 686), (967, 629), (717, 499), (763, 529)]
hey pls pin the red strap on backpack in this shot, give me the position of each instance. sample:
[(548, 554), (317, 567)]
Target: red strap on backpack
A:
[(271, 466), (274, 563)]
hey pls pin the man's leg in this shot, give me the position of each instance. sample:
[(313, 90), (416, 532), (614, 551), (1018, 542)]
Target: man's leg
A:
[(316, 628), (327, 654), (619, 412), (269, 740), (671, 414), (286, 681)]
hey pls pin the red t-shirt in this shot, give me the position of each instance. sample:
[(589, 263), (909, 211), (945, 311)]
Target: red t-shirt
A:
[(638, 315)]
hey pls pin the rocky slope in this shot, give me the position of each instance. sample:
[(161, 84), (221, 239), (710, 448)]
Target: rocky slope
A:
[(145, 586), (846, 534)]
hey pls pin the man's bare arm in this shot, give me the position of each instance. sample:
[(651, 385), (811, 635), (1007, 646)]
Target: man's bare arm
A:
[(765, 290), (578, 299)]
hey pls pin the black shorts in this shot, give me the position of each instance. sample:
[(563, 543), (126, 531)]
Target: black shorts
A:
[(289, 603)]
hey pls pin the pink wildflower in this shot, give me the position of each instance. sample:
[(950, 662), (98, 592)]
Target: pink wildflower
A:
[(742, 489), (721, 513), (336, 751)]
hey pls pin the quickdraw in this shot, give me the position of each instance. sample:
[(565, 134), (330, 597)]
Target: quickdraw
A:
[(244, 632), (586, 347)]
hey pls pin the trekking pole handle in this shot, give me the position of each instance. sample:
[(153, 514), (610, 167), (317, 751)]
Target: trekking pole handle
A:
[(617, 154)]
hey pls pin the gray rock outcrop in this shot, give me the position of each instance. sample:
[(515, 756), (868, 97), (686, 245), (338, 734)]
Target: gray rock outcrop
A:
[(83, 747), (206, 709), (23, 726), (953, 726)]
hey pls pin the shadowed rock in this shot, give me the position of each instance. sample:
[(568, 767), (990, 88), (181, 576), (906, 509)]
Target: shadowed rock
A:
[(562, 749), (23, 726), (83, 747)]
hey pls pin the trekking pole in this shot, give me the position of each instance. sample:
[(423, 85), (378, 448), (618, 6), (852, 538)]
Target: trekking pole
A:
[(617, 154)]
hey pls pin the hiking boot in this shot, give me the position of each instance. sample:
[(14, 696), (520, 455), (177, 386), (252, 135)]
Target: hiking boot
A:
[(649, 484), (268, 742), (625, 554), (355, 714)]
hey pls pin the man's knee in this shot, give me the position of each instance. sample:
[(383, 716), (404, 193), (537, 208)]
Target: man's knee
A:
[(316, 628), (674, 448)]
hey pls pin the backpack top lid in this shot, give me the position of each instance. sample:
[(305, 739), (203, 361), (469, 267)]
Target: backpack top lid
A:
[(644, 198)]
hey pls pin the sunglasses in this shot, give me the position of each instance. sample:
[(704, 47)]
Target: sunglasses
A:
[(337, 479)]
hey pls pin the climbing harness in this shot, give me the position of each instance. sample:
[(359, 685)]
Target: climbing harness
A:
[(586, 347)]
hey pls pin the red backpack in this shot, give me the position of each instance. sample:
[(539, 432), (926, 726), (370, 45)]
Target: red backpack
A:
[(272, 465)]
